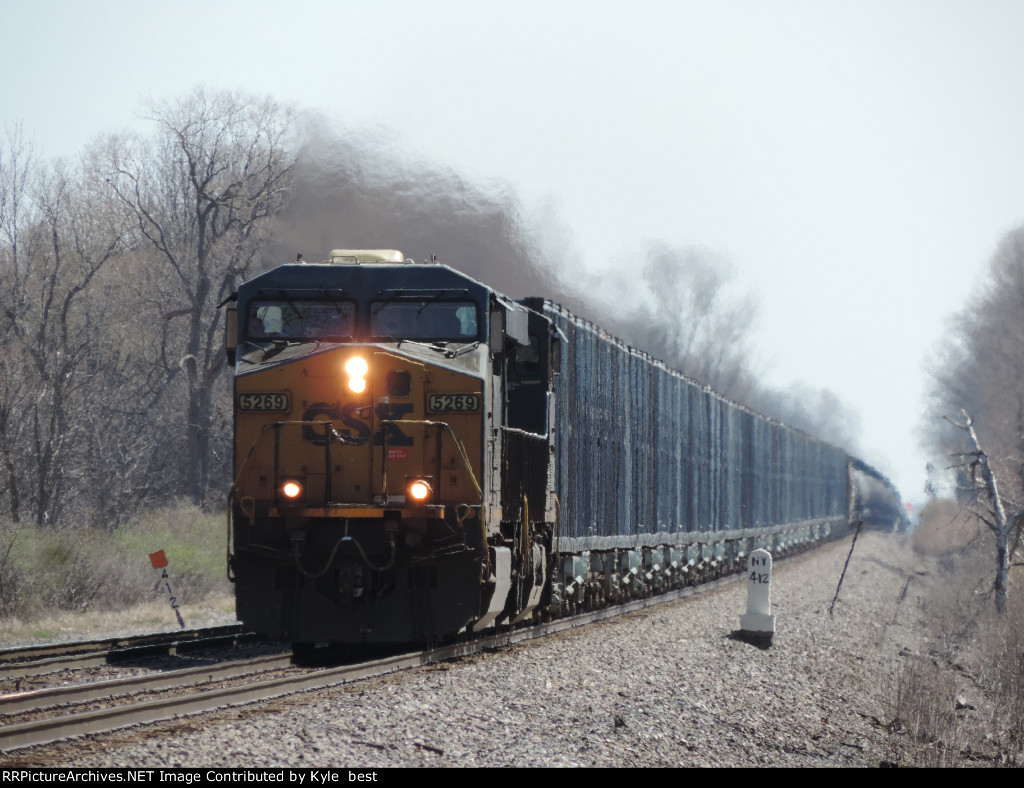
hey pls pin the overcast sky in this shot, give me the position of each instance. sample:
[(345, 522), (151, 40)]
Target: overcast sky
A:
[(857, 161)]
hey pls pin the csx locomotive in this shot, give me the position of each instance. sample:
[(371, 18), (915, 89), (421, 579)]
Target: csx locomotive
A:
[(417, 456)]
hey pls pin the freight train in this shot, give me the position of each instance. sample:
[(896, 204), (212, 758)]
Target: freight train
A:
[(418, 456)]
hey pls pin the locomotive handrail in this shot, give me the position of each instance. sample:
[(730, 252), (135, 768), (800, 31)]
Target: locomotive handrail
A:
[(455, 436), (465, 461)]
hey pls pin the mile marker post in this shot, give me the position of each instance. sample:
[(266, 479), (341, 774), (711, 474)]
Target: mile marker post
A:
[(159, 561), (759, 621)]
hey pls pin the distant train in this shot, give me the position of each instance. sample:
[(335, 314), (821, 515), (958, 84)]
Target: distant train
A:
[(877, 502), (418, 456)]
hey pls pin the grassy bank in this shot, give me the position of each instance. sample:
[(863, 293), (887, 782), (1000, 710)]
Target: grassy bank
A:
[(55, 583), (960, 701)]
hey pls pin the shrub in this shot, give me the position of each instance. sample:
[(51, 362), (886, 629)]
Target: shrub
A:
[(924, 728), (42, 569), (1007, 676), (944, 527)]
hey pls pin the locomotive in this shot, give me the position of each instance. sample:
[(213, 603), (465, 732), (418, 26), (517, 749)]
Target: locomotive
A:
[(877, 501), (417, 456)]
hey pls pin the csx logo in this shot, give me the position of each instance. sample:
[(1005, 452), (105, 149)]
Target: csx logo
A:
[(355, 429)]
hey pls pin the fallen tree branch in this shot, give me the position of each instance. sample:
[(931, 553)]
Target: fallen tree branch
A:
[(848, 557)]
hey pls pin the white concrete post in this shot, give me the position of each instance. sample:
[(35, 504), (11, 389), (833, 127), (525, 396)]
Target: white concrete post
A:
[(759, 619)]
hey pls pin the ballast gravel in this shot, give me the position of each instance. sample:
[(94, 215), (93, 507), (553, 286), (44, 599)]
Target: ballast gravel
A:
[(671, 686)]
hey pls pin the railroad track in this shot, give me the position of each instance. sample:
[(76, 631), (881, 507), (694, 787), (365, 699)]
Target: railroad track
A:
[(49, 658), (250, 681)]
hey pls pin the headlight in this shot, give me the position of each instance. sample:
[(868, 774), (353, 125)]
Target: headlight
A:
[(419, 490), (356, 368), (291, 489)]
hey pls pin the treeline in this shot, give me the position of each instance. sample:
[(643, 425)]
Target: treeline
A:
[(112, 375), (114, 391), (980, 370)]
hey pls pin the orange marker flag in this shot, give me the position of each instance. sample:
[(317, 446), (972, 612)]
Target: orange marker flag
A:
[(159, 562)]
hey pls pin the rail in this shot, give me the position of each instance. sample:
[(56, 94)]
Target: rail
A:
[(45, 731), (50, 657)]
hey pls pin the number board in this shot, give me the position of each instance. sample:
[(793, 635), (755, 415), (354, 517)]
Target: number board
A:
[(263, 401), (449, 402)]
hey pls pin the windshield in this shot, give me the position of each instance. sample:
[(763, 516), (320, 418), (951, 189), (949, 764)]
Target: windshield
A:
[(297, 319), (443, 321)]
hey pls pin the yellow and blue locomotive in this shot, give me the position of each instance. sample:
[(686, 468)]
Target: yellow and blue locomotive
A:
[(371, 425)]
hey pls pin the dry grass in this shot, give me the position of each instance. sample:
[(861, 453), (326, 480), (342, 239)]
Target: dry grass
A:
[(944, 527), (157, 616), (1007, 676), (959, 700), (47, 573), (925, 729)]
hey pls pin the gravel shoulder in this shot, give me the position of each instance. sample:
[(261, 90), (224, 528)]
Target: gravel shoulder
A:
[(670, 686)]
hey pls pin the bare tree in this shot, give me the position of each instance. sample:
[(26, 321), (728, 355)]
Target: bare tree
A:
[(16, 164), (1007, 530), (819, 412), (693, 315), (55, 238), (202, 196), (681, 306)]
